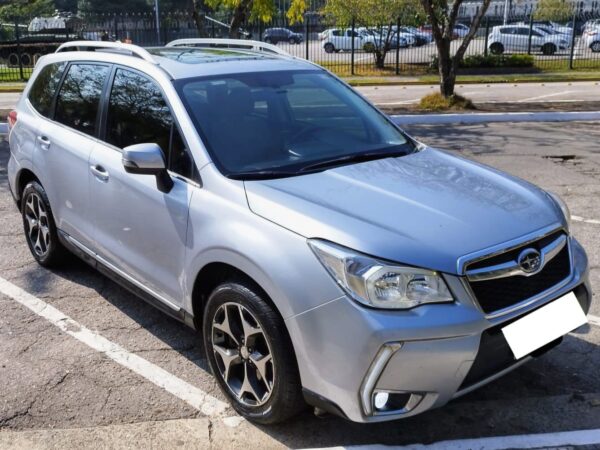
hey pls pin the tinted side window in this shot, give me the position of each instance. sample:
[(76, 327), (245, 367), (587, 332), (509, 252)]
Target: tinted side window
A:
[(138, 113), (44, 87), (79, 96)]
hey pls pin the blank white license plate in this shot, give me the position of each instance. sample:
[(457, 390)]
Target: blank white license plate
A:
[(544, 325)]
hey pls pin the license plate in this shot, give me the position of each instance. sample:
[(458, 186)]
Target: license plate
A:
[(544, 325)]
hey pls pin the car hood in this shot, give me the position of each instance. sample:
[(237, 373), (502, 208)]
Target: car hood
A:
[(425, 209)]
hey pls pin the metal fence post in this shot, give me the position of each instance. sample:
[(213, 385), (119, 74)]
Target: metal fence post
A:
[(530, 33), (352, 47), (487, 34), (398, 47), (574, 27), (18, 38), (307, 34), (116, 27)]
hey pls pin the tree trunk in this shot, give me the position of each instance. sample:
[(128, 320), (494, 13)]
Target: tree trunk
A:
[(379, 59), (238, 19), (446, 68), (198, 14)]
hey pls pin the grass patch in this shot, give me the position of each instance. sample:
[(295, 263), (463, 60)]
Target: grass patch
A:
[(437, 102)]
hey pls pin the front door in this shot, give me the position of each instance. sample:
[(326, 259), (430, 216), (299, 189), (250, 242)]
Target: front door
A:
[(140, 231)]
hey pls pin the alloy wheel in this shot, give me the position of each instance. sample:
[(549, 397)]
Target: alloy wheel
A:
[(37, 227), (243, 354)]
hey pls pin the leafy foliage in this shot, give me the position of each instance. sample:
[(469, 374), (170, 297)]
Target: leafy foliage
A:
[(26, 9), (559, 10), (437, 102), (490, 61)]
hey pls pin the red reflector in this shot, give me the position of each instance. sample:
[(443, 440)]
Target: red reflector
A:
[(12, 119)]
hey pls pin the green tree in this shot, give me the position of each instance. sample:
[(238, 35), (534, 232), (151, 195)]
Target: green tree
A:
[(559, 10), (381, 15), (242, 10), (443, 17), (26, 9), (91, 7)]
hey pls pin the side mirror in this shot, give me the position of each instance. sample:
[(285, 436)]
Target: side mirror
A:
[(148, 159)]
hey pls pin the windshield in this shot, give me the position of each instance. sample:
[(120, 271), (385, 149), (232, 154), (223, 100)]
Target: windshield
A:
[(273, 124)]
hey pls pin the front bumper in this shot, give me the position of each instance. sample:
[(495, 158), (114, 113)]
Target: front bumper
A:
[(439, 352)]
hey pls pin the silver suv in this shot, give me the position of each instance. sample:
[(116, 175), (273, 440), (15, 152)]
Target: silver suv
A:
[(325, 256)]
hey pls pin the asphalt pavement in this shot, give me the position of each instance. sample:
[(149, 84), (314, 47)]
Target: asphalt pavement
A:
[(148, 385)]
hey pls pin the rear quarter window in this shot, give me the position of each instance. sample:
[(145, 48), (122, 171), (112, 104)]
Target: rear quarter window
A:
[(44, 86)]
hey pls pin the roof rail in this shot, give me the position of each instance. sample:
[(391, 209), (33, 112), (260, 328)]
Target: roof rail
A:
[(116, 47), (229, 43)]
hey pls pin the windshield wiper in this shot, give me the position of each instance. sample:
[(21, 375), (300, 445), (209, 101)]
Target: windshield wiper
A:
[(260, 174), (355, 158)]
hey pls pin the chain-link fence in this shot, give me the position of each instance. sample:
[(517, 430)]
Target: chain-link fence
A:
[(522, 45)]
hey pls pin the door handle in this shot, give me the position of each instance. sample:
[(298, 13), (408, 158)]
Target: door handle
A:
[(44, 142), (99, 172)]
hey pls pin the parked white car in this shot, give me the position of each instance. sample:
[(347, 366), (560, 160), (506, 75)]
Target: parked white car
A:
[(460, 30), (337, 39), (591, 38), (515, 38)]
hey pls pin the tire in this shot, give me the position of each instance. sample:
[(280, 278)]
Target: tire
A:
[(293, 41), (497, 48), (26, 60), (224, 310), (595, 47), (268, 40), (549, 49), (329, 48), (13, 60), (37, 217), (36, 57)]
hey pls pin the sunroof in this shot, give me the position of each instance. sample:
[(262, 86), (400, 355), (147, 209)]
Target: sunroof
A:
[(195, 55)]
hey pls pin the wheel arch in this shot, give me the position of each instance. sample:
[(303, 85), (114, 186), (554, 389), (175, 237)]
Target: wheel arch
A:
[(212, 275), (24, 177)]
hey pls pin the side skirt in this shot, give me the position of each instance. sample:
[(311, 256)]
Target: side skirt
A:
[(90, 258)]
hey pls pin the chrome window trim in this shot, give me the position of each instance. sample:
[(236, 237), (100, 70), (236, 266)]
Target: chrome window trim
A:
[(528, 301), (513, 268)]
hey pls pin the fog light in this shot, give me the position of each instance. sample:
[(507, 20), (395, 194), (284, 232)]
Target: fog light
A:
[(381, 399)]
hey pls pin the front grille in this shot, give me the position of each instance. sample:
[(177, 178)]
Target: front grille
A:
[(500, 293)]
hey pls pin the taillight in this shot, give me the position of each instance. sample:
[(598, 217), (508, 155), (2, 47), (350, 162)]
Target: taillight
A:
[(12, 119)]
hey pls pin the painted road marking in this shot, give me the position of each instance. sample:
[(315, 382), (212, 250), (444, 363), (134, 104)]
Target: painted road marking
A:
[(594, 320), (567, 438), (581, 219), (192, 395), (539, 97)]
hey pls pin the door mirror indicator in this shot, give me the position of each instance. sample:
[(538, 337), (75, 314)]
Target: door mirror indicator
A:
[(148, 159)]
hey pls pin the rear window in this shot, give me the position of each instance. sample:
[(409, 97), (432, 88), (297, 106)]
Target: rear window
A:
[(42, 92), (79, 96)]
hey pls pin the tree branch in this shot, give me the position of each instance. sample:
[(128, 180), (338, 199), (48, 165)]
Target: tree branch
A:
[(435, 24), (472, 31)]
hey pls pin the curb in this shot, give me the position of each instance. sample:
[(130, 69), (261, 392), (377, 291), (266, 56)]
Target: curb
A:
[(472, 118)]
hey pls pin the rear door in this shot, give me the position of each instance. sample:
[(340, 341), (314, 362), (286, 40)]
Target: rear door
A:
[(64, 144), (140, 231)]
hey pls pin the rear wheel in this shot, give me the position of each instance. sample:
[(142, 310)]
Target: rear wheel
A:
[(251, 355), (13, 60), (40, 229), (549, 49), (293, 40), (595, 47), (26, 60), (497, 48), (329, 48)]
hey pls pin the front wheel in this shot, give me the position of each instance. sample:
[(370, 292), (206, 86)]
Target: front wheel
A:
[(549, 49), (251, 355), (595, 47), (40, 229), (497, 48), (329, 48)]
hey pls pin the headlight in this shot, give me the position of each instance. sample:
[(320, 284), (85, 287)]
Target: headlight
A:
[(379, 284), (563, 207)]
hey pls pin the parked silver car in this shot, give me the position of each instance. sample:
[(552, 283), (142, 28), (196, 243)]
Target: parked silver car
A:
[(326, 256)]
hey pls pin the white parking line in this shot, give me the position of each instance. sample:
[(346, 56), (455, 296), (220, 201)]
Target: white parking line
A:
[(581, 219), (594, 320), (193, 396), (544, 96), (567, 438)]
